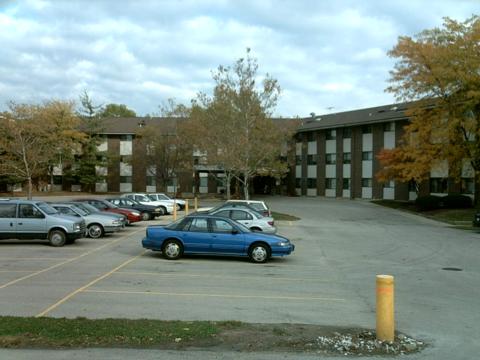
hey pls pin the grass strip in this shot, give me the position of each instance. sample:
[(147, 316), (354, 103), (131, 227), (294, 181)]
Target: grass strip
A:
[(286, 217), (450, 216), (82, 332)]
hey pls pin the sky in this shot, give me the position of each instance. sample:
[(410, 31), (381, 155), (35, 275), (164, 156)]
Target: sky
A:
[(328, 56)]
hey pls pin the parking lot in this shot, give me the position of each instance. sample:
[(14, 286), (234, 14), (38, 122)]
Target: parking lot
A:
[(329, 280)]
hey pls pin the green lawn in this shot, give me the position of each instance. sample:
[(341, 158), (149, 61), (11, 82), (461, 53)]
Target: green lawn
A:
[(279, 216), (462, 217), (82, 332)]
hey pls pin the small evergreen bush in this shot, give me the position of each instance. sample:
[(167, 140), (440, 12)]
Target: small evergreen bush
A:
[(429, 202), (457, 201)]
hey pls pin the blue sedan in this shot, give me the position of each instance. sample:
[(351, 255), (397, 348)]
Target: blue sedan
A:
[(214, 235)]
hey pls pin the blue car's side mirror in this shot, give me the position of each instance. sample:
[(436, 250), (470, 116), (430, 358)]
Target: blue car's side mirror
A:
[(235, 231)]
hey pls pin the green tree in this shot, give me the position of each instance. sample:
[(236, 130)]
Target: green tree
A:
[(439, 71), (116, 110), (234, 126), (32, 137), (88, 157)]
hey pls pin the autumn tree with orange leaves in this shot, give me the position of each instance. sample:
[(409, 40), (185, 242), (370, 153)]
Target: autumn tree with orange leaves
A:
[(439, 71)]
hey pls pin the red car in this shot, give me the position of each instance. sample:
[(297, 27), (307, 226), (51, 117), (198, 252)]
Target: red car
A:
[(104, 205)]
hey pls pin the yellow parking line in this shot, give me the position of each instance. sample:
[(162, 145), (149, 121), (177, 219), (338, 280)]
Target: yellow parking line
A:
[(68, 261), (310, 298), (260, 277), (73, 293)]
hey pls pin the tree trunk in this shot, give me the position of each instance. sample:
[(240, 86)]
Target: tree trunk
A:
[(30, 188), (476, 192), (228, 179), (245, 187)]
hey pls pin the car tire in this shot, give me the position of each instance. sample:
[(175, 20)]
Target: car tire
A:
[(172, 249), (164, 210), (57, 238), (255, 228), (95, 231), (259, 253), (145, 216)]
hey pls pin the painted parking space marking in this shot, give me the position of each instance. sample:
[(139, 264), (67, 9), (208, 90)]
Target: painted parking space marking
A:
[(126, 236), (83, 288), (231, 296), (260, 277)]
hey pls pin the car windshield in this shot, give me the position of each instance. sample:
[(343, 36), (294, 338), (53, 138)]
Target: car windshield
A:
[(144, 198), (173, 225), (80, 211), (109, 205), (47, 209), (163, 197), (257, 206), (87, 207)]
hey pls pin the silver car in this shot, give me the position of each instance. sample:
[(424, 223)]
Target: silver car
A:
[(98, 224), (251, 219)]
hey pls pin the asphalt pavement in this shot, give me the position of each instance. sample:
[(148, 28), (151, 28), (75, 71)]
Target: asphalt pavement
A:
[(330, 280)]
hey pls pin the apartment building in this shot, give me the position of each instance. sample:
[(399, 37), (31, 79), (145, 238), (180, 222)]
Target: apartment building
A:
[(335, 156)]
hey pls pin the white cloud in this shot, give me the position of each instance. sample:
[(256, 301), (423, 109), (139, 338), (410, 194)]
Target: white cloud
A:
[(324, 54)]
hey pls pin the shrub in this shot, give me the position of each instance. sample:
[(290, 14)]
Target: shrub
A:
[(457, 201), (429, 202)]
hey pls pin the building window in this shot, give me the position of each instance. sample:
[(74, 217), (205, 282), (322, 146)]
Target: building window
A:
[(126, 179), (347, 133), (330, 134), (438, 185), (126, 159), (203, 181), (311, 159), (330, 159), (367, 182), (389, 126), (366, 129), (347, 158), (298, 160), (298, 183), (126, 137), (346, 184), (330, 183), (468, 186), (151, 181), (367, 155), (311, 183), (389, 184), (412, 186)]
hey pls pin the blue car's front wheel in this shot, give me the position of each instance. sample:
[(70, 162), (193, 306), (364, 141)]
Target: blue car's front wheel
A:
[(172, 249), (259, 253)]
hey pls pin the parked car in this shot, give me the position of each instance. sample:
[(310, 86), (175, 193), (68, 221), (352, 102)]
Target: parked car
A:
[(93, 210), (104, 205), (145, 200), (258, 205), (27, 219), (214, 235), (98, 224), (208, 210), (251, 219), (147, 212), (162, 196)]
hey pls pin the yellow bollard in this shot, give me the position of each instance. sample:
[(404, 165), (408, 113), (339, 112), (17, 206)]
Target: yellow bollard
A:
[(196, 203), (186, 206), (174, 210), (385, 308)]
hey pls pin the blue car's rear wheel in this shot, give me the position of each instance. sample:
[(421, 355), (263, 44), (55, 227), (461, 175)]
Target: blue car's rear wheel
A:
[(259, 253), (172, 249)]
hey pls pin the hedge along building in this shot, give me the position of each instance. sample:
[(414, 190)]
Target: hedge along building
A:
[(335, 156)]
